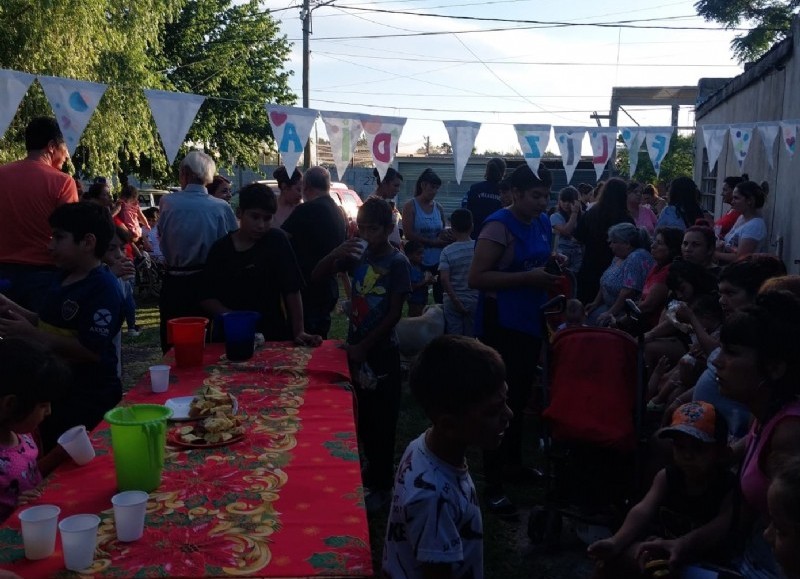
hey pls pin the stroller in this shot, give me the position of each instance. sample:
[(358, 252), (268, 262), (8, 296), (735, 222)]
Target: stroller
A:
[(149, 275), (592, 427)]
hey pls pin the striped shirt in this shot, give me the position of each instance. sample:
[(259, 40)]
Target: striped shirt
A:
[(457, 258)]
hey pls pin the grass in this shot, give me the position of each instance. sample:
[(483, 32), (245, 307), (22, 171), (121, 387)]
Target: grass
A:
[(507, 551)]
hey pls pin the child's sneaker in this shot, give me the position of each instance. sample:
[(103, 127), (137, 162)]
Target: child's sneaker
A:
[(134, 332)]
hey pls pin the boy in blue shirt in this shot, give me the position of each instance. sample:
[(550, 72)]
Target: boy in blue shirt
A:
[(81, 315)]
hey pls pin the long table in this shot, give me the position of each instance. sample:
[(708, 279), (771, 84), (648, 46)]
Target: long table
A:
[(286, 501)]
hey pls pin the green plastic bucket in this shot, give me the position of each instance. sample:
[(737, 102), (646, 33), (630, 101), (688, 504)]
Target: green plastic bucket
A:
[(138, 437)]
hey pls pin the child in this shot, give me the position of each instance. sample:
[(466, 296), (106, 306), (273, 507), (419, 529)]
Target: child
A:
[(460, 301), (130, 213), (123, 236), (31, 378), (689, 503), (254, 268), (435, 527), (79, 318), (574, 315), (380, 276), (783, 532), (420, 280), (151, 214)]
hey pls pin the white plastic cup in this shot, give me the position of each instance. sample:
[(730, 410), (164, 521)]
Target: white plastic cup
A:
[(362, 247), (39, 530), (159, 378), (79, 540), (77, 444), (129, 511)]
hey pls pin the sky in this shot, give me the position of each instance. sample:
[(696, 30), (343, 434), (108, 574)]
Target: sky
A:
[(524, 73)]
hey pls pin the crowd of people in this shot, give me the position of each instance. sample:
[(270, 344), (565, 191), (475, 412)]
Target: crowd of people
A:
[(720, 320)]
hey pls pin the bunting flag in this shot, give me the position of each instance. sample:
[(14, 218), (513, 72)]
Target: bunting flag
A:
[(658, 145), (633, 137), (73, 102), (789, 136), (569, 141), (603, 141), (533, 140), (13, 86), (462, 139), (768, 133), (291, 127), (174, 113), (714, 139), (383, 136), (343, 130), (741, 135)]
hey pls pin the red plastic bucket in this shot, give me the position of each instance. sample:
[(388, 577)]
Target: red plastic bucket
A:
[(188, 336)]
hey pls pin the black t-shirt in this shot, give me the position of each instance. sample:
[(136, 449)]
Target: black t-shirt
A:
[(255, 279), (316, 228), (483, 199)]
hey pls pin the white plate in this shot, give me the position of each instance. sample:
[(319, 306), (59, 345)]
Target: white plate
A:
[(180, 408)]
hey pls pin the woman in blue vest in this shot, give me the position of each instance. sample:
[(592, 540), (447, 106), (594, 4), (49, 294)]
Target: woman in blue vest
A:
[(508, 269)]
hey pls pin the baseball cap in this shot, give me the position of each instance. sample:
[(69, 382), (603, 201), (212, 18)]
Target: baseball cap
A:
[(699, 420)]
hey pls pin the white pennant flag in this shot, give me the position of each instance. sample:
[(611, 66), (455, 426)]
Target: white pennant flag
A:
[(768, 132), (633, 137), (383, 136), (13, 86), (174, 113), (789, 136), (73, 102), (569, 141), (343, 130), (714, 139), (462, 138), (291, 127), (603, 141), (533, 140), (658, 145), (741, 135)]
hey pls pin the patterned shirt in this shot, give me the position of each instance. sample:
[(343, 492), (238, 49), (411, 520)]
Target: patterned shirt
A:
[(18, 472), (457, 258), (628, 273)]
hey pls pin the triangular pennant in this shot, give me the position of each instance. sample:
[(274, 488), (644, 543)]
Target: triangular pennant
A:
[(603, 141), (13, 86), (343, 130), (741, 135), (768, 133), (291, 127), (462, 138), (73, 102), (658, 145), (533, 140), (174, 113), (633, 137), (569, 141), (383, 136), (789, 136), (714, 139)]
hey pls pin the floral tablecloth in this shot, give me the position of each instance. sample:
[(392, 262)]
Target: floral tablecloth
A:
[(286, 501)]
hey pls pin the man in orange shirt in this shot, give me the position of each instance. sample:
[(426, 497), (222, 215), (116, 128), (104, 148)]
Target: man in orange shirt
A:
[(30, 190)]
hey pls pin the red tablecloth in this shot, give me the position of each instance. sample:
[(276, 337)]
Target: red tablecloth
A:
[(286, 501)]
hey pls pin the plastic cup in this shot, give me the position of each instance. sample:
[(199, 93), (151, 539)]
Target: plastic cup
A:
[(129, 511), (159, 378), (79, 540), (39, 530), (188, 335), (240, 334), (77, 444)]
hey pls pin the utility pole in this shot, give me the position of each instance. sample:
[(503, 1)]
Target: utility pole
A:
[(305, 16)]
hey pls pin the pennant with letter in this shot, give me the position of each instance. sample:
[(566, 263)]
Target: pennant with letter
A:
[(569, 141), (789, 136), (13, 86), (633, 137), (741, 135), (174, 113), (343, 130), (533, 140), (658, 145), (291, 127), (603, 141), (768, 133), (73, 102), (714, 139), (462, 138), (383, 136)]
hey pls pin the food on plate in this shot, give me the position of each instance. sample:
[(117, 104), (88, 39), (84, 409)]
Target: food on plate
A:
[(210, 400), (219, 427)]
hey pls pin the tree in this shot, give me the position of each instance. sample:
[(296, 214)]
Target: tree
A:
[(772, 19), (678, 162)]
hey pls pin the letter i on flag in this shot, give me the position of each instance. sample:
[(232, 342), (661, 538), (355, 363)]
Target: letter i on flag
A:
[(174, 113), (291, 127), (13, 86), (343, 130), (569, 141), (462, 138), (73, 102), (383, 136)]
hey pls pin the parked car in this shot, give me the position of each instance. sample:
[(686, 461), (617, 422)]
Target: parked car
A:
[(151, 197)]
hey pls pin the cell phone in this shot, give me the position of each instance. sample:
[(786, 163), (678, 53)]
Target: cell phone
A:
[(552, 266)]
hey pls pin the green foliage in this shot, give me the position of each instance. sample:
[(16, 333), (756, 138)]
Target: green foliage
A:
[(772, 20), (678, 162)]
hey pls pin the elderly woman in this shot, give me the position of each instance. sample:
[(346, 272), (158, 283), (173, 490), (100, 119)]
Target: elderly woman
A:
[(624, 278), (749, 233)]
